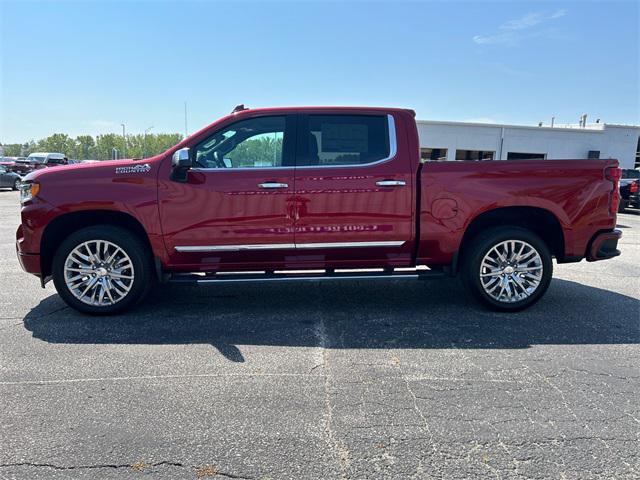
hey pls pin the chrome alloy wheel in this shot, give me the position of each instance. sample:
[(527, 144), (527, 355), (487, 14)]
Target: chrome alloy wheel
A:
[(98, 273), (511, 271)]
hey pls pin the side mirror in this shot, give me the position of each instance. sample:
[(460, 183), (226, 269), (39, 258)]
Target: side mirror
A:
[(181, 159), (180, 163)]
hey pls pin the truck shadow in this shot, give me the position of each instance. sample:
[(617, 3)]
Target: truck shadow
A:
[(389, 314)]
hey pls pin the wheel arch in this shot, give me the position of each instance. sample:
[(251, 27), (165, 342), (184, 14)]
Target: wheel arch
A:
[(66, 224), (539, 220)]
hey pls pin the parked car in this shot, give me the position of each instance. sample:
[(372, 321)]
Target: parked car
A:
[(23, 166), (39, 160), (10, 162), (629, 196), (285, 190), (7, 162), (9, 179)]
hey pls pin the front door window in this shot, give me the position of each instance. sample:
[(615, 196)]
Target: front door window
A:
[(252, 143)]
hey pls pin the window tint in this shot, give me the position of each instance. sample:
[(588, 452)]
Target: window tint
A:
[(255, 142), (328, 140)]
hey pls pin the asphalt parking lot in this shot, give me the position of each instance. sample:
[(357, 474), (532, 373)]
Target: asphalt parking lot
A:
[(373, 380)]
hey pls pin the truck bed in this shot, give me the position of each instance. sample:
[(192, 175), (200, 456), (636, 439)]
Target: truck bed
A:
[(452, 195)]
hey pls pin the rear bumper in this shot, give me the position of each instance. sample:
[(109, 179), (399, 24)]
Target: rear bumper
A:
[(604, 245)]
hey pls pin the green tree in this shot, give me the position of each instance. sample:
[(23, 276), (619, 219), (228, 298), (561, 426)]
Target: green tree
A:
[(12, 149), (160, 142), (58, 142), (105, 145), (19, 149), (262, 150), (28, 148), (84, 147)]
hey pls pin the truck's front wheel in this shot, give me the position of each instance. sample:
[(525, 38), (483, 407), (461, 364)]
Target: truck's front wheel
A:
[(102, 270), (507, 268)]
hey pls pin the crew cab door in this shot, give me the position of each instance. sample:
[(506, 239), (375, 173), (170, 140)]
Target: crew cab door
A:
[(235, 208), (354, 190)]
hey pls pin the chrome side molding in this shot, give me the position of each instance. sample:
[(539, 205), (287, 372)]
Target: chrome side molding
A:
[(350, 244), (286, 246), (234, 248)]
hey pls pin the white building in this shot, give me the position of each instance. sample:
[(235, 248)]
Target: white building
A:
[(480, 141)]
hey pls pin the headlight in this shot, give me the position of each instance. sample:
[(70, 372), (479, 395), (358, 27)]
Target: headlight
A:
[(28, 191)]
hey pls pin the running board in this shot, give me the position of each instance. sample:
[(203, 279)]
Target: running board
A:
[(195, 278)]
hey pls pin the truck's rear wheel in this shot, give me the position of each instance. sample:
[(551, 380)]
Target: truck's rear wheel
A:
[(102, 270), (507, 268)]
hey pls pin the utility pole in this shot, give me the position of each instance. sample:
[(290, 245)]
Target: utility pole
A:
[(186, 131), (124, 142), (144, 149)]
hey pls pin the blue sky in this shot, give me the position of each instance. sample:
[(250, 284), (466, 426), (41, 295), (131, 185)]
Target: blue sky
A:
[(87, 67)]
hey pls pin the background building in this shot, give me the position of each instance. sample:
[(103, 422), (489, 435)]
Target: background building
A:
[(480, 141)]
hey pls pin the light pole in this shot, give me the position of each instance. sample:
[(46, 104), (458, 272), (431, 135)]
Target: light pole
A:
[(144, 148), (186, 132), (124, 142)]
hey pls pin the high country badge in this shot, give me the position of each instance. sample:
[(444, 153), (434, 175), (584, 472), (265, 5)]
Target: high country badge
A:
[(143, 168)]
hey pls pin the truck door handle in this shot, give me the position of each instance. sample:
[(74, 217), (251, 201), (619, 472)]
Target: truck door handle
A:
[(391, 183), (273, 185)]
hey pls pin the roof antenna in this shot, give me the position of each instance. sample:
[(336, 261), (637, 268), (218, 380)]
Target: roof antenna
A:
[(239, 108)]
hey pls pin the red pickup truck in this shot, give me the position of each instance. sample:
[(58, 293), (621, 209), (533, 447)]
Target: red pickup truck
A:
[(312, 193)]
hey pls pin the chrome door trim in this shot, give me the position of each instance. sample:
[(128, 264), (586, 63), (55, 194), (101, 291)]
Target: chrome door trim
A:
[(393, 148), (350, 244), (393, 151), (242, 169), (276, 246), (234, 248)]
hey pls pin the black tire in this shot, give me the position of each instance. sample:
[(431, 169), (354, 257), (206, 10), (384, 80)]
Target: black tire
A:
[(16, 184), (622, 206), (131, 244), (480, 245)]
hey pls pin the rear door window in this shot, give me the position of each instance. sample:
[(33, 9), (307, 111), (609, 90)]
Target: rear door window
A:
[(343, 140)]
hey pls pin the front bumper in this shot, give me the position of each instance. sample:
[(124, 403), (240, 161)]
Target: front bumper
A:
[(30, 262), (604, 245)]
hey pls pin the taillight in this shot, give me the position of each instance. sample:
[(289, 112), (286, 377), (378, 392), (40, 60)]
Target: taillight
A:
[(633, 188), (613, 174)]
